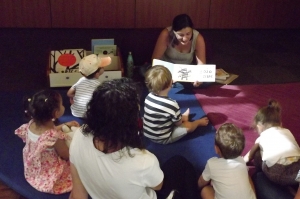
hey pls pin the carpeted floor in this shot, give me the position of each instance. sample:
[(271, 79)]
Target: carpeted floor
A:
[(239, 104)]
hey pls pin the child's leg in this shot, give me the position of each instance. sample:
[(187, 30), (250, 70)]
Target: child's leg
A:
[(186, 127), (267, 189), (282, 174), (191, 126), (178, 133), (208, 192)]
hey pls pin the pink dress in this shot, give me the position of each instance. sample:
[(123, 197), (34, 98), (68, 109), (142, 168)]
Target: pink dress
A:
[(43, 168)]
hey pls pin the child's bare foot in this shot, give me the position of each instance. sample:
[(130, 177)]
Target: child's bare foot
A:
[(191, 126), (203, 121), (185, 115)]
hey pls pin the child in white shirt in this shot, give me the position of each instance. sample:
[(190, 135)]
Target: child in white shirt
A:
[(228, 174)]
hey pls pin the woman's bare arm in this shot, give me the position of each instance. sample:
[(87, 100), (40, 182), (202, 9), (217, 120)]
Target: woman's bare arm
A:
[(78, 191), (161, 44), (200, 50), (62, 149)]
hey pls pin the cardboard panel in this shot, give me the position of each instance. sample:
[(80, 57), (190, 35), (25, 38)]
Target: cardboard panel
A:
[(66, 61)]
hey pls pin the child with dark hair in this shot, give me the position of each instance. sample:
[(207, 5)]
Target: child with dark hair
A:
[(275, 152), (227, 174), (108, 157), (163, 121), (45, 154), (91, 67)]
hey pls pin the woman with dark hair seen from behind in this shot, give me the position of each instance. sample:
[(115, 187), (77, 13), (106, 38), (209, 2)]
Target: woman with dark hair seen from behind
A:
[(181, 44), (108, 159)]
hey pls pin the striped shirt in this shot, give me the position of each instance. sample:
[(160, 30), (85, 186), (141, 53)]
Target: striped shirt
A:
[(84, 89), (160, 116)]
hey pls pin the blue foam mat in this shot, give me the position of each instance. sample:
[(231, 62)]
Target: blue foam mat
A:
[(197, 147)]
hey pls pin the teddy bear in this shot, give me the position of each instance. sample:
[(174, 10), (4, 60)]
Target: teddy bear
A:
[(69, 131)]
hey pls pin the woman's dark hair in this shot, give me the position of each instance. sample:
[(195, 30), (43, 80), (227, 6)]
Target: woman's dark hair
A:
[(230, 140), (182, 21), (112, 115), (41, 106), (179, 22), (270, 114)]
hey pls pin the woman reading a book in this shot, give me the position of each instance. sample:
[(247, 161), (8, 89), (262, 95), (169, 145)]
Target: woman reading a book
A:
[(181, 44)]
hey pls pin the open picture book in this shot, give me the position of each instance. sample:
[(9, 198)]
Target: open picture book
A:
[(189, 73)]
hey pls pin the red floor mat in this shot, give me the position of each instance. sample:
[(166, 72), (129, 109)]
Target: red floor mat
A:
[(239, 104)]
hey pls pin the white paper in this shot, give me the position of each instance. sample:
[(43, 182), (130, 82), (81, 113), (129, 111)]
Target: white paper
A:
[(189, 73)]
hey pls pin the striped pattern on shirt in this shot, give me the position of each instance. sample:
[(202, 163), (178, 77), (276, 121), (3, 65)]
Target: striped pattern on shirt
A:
[(160, 114), (84, 89)]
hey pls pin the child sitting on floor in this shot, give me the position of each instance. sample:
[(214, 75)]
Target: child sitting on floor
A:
[(275, 152), (163, 122), (46, 154), (91, 67), (227, 174)]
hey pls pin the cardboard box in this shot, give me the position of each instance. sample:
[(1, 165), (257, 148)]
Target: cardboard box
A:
[(66, 61), (68, 79), (63, 70)]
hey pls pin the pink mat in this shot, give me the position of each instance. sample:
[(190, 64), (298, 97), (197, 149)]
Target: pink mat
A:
[(239, 104)]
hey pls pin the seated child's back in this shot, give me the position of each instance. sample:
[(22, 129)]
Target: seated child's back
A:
[(45, 154), (91, 67), (163, 122), (228, 174)]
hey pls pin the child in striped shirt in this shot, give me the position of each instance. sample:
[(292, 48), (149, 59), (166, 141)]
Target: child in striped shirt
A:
[(163, 122), (91, 67)]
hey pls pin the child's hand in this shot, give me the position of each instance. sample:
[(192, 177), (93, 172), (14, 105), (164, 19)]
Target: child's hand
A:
[(185, 115), (72, 123), (197, 84), (71, 100), (246, 158), (185, 118)]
